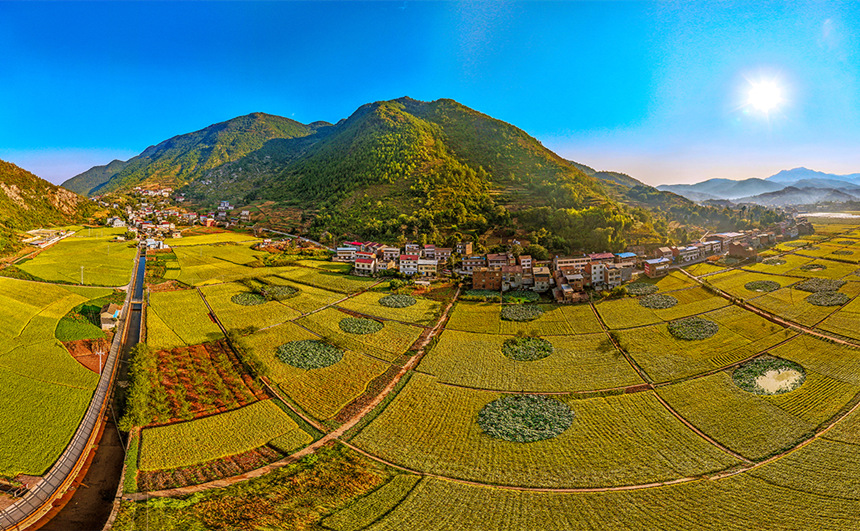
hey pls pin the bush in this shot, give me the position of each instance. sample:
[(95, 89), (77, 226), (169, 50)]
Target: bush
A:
[(359, 325), (397, 301), (248, 299), (309, 354), (745, 376), (827, 298), (521, 296), (396, 284), (812, 267), (774, 261), (819, 284), (693, 328), (520, 312), (525, 418), (641, 288), (762, 285), (658, 301), (278, 293), (484, 295), (527, 348)]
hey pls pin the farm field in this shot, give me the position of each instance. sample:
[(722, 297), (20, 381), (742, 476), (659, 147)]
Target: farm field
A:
[(791, 304), (430, 427), (556, 320), (178, 318), (734, 282), (424, 311), (838, 362), (629, 313), (845, 321), (201, 440), (105, 263), (309, 298), (578, 363), (214, 238), (824, 268), (236, 316), (320, 392)]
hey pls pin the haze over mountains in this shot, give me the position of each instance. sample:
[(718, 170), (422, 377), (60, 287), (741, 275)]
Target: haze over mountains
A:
[(797, 186)]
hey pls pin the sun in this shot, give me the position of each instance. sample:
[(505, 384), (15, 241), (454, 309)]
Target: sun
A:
[(766, 96)]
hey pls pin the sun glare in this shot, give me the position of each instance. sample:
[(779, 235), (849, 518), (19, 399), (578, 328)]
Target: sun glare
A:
[(765, 96)]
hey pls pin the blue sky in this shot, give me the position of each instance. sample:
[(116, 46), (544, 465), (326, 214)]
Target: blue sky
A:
[(656, 90)]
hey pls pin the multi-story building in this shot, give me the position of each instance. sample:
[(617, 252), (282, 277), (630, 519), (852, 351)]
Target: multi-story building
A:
[(612, 275), (346, 254), (365, 266), (606, 258), (389, 253), (427, 267), (443, 254), (595, 273), (408, 264), (542, 278), (657, 267), (512, 277), (430, 251), (498, 260), (412, 248), (472, 262), (663, 252), (574, 263), (525, 261), (464, 248), (489, 278)]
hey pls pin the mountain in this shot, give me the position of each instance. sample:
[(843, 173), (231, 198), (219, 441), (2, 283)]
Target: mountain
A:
[(184, 158), (609, 176), (722, 188), (799, 174), (27, 202), (791, 195)]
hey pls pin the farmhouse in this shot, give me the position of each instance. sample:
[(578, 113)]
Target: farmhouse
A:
[(110, 315), (365, 266), (657, 267), (408, 264), (487, 278)]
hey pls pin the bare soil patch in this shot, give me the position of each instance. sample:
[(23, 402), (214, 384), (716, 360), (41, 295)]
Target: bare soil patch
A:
[(85, 351), (776, 380)]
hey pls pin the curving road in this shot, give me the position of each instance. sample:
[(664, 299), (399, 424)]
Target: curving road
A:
[(36, 500)]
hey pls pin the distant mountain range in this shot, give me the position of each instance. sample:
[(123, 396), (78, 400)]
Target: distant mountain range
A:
[(788, 187)]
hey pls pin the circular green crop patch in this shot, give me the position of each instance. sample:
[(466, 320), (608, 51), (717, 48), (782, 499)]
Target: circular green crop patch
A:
[(641, 288), (397, 301), (279, 293), (693, 328), (774, 261), (812, 267), (525, 418), (762, 285), (527, 348), (248, 298), (359, 325), (521, 296), (769, 376), (846, 242), (819, 284), (658, 301), (519, 312), (827, 298), (309, 354)]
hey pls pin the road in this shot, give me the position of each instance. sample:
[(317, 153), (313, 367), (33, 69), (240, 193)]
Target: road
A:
[(300, 238), (58, 478)]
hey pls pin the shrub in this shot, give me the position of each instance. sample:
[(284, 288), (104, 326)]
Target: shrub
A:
[(819, 284), (359, 325), (658, 301), (397, 301), (396, 284), (762, 285), (693, 328), (521, 296), (527, 348), (248, 299), (827, 298), (517, 312), (525, 418), (641, 288), (278, 293), (481, 295), (309, 354), (774, 261), (745, 376), (812, 267)]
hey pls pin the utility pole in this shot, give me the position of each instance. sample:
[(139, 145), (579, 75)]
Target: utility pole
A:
[(82, 275)]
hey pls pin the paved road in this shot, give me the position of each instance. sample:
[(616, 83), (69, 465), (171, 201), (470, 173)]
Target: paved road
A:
[(59, 474)]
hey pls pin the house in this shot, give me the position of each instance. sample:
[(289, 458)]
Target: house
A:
[(389, 253), (430, 251), (738, 250), (443, 254), (472, 262), (512, 277), (657, 267), (412, 248), (574, 263), (384, 265), (245, 215), (346, 254), (365, 266), (606, 258), (464, 248), (487, 278), (427, 267), (612, 275), (110, 315), (408, 264), (525, 261), (595, 273), (663, 252), (498, 260), (686, 255), (152, 243), (542, 278), (621, 258)]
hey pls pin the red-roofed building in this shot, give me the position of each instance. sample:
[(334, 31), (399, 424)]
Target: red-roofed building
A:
[(365, 266)]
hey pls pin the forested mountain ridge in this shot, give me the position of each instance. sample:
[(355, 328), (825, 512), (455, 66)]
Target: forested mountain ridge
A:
[(184, 158), (27, 202)]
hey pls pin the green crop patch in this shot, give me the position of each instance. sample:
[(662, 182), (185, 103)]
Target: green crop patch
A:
[(520, 296), (309, 354), (641, 288), (520, 313), (769, 376), (424, 311), (397, 301), (764, 286), (658, 301), (526, 348), (388, 342), (247, 298), (693, 328), (358, 325), (525, 418), (827, 298)]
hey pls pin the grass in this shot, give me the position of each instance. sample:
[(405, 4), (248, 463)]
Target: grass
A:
[(613, 441), (201, 440), (577, 363)]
